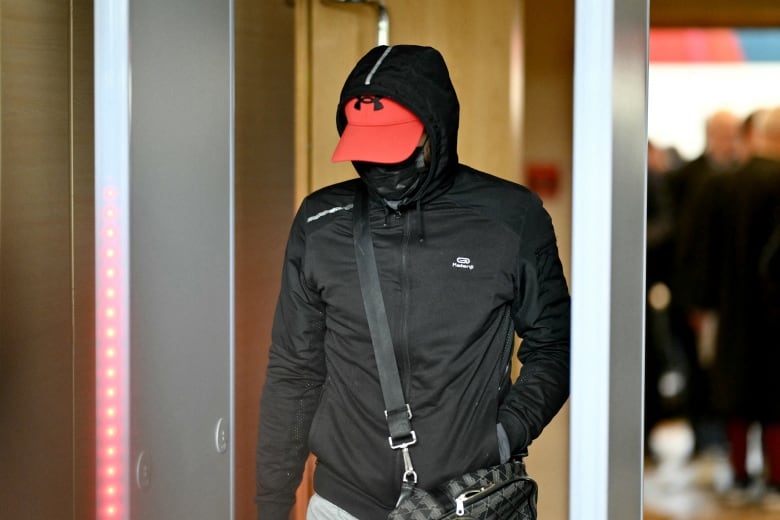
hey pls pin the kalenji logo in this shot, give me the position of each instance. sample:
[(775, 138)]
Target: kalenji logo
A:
[(463, 262)]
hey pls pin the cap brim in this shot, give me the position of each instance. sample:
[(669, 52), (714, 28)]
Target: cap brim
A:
[(379, 144)]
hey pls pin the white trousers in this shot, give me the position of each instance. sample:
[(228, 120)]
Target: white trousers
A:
[(321, 509)]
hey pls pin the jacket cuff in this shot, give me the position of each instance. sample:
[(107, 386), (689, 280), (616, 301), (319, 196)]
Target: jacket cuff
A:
[(504, 448), (515, 431)]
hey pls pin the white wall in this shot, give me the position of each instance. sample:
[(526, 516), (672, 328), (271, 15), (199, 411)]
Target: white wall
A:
[(681, 96)]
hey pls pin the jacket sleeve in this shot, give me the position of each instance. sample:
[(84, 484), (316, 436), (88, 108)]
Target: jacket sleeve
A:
[(541, 315), (294, 378)]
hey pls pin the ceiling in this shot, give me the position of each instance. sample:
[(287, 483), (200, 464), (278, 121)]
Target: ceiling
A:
[(712, 13)]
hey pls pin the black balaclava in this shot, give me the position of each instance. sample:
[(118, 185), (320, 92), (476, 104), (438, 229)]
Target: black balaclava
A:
[(398, 181)]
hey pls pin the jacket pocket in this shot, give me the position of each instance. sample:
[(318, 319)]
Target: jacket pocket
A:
[(504, 365)]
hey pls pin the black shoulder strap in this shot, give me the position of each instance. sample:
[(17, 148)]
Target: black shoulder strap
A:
[(397, 411)]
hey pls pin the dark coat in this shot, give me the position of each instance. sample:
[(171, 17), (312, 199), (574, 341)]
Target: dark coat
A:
[(748, 345), (694, 193)]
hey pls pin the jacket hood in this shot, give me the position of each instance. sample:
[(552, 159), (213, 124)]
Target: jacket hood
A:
[(417, 77)]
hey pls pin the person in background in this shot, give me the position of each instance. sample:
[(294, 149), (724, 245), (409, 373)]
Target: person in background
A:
[(692, 256), (747, 136), (668, 375), (466, 261), (739, 222), (721, 154), (747, 342)]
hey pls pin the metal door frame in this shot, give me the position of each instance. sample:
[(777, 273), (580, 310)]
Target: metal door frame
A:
[(608, 256)]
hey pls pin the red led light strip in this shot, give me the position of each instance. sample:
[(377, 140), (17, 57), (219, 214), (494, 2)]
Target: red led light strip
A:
[(111, 360)]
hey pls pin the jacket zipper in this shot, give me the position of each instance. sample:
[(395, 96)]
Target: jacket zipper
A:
[(402, 350), (405, 304)]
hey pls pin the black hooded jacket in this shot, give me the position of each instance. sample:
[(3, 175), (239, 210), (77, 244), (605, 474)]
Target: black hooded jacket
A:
[(465, 262)]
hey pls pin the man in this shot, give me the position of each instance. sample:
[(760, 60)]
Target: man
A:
[(465, 259), (746, 357), (720, 158), (691, 256), (721, 154)]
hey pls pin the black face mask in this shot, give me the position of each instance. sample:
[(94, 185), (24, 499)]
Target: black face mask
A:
[(395, 181)]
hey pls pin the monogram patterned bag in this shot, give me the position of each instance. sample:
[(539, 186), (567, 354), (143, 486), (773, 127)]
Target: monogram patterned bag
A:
[(503, 492)]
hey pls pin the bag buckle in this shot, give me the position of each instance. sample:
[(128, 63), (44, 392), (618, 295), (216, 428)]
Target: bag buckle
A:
[(401, 445), (411, 438), (409, 474)]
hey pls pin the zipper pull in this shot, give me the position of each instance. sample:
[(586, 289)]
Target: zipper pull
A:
[(466, 496)]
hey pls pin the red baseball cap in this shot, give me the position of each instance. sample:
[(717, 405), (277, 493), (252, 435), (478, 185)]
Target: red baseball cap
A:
[(378, 130)]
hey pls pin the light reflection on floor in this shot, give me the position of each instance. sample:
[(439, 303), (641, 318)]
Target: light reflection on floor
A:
[(678, 486)]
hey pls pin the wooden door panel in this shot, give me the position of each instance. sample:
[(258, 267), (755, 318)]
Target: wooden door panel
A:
[(480, 46)]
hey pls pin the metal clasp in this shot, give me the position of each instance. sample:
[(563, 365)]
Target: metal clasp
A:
[(403, 445), (413, 440), (409, 473)]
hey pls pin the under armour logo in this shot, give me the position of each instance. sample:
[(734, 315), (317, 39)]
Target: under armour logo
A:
[(365, 100)]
